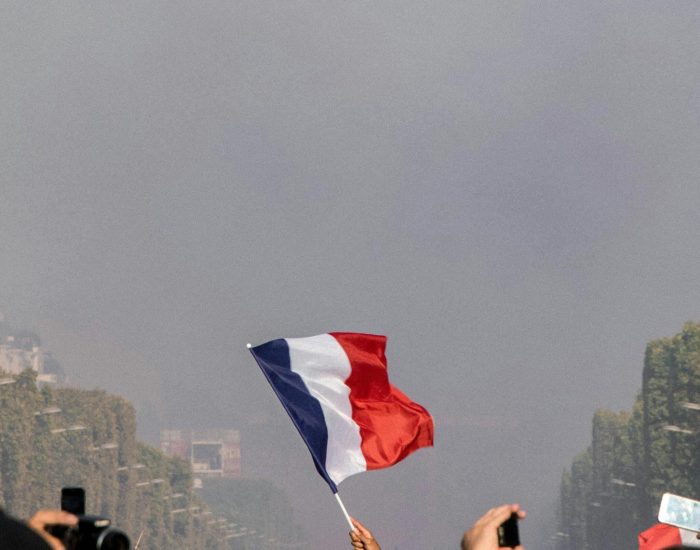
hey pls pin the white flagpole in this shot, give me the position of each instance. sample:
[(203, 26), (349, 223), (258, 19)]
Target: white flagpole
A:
[(345, 512)]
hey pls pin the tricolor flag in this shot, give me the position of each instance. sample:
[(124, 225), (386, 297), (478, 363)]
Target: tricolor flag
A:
[(335, 388), (662, 536)]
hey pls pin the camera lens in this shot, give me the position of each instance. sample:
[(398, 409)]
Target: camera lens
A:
[(112, 539)]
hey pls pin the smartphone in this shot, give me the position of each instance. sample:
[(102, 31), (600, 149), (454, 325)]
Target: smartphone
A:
[(680, 512), (73, 500), (508, 535)]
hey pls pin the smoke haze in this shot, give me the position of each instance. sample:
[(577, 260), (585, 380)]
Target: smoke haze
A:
[(509, 191)]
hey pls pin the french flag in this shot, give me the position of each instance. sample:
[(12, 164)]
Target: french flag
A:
[(335, 388)]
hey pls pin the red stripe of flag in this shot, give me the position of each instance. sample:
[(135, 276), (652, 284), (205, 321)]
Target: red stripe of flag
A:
[(391, 425)]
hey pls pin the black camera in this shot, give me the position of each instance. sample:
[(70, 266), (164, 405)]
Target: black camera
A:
[(92, 532)]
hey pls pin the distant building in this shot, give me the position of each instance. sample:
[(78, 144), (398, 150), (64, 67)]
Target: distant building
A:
[(22, 350), (212, 453)]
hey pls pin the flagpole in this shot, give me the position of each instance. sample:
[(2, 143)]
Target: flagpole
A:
[(345, 512)]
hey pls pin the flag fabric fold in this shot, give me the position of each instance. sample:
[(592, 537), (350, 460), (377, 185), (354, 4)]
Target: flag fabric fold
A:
[(335, 388), (661, 536)]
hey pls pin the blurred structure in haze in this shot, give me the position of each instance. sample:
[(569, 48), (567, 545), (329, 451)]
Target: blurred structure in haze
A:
[(212, 452), (21, 350)]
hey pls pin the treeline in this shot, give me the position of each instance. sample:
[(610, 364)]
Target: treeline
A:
[(52, 438), (613, 489), (257, 509)]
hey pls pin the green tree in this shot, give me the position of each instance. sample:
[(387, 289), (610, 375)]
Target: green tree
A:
[(92, 443), (671, 378)]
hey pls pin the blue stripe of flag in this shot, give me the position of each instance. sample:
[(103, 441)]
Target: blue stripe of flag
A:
[(304, 410)]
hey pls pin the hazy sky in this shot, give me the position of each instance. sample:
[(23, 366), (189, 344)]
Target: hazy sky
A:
[(509, 191)]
